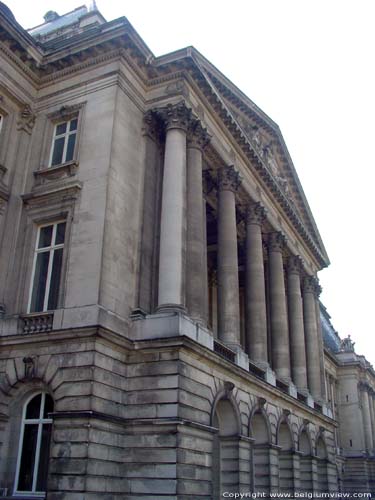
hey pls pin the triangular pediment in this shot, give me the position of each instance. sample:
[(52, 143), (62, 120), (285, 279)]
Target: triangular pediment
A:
[(264, 139)]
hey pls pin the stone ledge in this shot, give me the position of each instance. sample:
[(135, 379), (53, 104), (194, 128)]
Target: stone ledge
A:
[(55, 173)]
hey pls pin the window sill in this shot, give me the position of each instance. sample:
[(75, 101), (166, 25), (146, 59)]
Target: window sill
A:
[(39, 322), (55, 173)]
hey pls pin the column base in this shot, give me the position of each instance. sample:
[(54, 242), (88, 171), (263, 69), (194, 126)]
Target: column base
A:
[(171, 308), (170, 324)]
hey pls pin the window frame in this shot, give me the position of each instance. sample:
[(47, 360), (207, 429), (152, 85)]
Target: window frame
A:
[(65, 113), (51, 250), (40, 422), (66, 135)]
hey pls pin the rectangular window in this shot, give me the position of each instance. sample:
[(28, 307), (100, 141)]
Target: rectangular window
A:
[(47, 268), (63, 143)]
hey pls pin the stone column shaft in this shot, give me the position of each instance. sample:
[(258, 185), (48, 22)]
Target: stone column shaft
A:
[(196, 276), (372, 414), (256, 316), (279, 319), (296, 328), (173, 224), (366, 418), (311, 337), (227, 266)]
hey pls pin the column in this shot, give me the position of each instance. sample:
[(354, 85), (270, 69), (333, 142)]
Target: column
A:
[(279, 319), (173, 210), (256, 316), (296, 328), (318, 291), (366, 417), (196, 276), (372, 416), (311, 337), (227, 258)]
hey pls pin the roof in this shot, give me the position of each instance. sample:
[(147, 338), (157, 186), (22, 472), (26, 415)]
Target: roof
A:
[(59, 22)]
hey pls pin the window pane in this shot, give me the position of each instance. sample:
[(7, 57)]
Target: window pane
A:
[(40, 279), (70, 149), (58, 149), (73, 124), (45, 236), (55, 279), (48, 406), (61, 128), (25, 480), (60, 233), (41, 483), (33, 408)]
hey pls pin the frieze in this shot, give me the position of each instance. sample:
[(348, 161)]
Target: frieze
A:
[(177, 88), (276, 241), (228, 179)]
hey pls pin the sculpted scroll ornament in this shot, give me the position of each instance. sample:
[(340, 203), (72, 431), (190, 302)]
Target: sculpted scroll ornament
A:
[(276, 242), (294, 264), (229, 179), (198, 136), (310, 284), (176, 116), (255, 213)]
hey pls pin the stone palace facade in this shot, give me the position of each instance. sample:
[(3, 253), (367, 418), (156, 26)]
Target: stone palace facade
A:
[(161, 335)]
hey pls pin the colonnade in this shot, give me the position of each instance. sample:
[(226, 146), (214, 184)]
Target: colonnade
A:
[(291, 312), (367, 402)]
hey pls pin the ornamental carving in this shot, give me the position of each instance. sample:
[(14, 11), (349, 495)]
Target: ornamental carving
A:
[(26, 119), (152, 126), (276, 241), (255, 213), (310, 284), (176, 116), (198, 137), (229, 179), (294, 264)]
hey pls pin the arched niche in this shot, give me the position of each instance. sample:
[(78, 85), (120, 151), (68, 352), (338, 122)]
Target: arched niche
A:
[(225, 451), (259, 431), (306, 482), (322, 456), (286, 469)]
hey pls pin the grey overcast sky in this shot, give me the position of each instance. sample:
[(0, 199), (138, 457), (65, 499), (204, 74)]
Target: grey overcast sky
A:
[(309, 64)]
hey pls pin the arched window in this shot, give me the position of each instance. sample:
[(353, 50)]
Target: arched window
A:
[(33, 451)]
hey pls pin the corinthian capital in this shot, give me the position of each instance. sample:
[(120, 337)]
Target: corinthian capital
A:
[(276, 242), (198, 137), (176, 116), (229, 179), (310, 284), (255, 213), (294, 264)]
